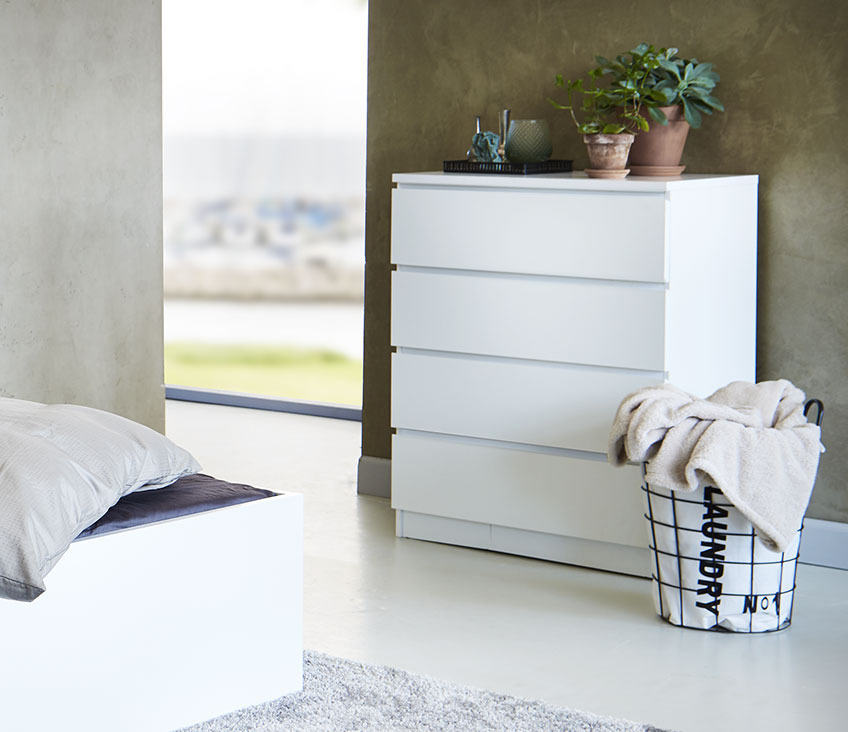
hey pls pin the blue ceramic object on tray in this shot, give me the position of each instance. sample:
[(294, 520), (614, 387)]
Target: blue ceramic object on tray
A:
[(485, 147)]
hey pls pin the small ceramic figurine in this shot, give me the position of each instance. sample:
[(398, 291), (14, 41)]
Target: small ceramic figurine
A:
[(485, 146)]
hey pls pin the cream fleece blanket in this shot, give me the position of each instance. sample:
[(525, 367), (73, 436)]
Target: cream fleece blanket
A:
[(751, 441)]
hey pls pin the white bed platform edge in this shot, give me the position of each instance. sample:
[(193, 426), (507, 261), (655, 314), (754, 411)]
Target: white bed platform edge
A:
[(161, 626)]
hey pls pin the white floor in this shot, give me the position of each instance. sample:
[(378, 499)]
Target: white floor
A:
[(573, 637)]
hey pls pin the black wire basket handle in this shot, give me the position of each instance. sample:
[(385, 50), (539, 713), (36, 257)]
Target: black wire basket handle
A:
[(819, 410)]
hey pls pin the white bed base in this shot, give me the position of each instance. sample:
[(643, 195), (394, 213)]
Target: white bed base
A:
[(162, 626)]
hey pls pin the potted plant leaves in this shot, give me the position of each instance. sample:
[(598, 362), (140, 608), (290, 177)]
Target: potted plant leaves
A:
[(612, 113), (678, 92)]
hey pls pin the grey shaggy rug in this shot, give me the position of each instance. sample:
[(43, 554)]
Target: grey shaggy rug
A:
[(346, 696)]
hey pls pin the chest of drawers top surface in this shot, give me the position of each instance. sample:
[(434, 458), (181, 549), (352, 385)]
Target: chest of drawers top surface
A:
[(572, 182)]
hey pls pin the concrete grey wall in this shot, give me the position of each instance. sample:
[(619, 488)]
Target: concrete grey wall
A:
[(434, 65), (81, 204)]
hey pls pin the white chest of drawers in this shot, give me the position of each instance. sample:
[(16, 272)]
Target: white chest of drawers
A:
[(523, 310)]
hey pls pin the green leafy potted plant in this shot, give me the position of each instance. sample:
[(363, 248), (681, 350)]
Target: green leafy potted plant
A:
[(678, 92), (612, 114)]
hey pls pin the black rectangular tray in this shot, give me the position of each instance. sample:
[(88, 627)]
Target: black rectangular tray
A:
[(467, 166)]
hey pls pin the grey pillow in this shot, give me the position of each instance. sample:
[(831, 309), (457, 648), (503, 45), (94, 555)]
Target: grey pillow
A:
[(61, 468)]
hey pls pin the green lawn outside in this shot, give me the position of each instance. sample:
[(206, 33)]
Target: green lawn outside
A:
[(291, 373)]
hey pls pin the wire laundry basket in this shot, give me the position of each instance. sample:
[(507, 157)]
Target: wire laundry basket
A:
[(709, 570)]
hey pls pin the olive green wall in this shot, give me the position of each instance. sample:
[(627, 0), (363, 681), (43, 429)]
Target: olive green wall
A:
[(434, 65)]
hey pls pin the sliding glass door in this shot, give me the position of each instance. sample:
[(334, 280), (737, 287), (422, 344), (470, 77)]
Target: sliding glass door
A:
[(264, 159)]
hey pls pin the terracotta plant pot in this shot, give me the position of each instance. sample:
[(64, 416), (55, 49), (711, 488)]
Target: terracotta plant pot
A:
[(608, 154), (658, 151)]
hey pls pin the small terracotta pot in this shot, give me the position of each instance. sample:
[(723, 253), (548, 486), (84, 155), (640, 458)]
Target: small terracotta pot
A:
[(608, 154), (658, 151)]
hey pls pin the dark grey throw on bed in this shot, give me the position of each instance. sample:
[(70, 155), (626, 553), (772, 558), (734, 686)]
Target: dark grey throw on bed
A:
[(190, 494)]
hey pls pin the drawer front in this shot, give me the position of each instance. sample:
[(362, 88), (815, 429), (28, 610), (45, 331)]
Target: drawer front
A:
[(536, 491), (600, 235), (517, 401), (578, 321)]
